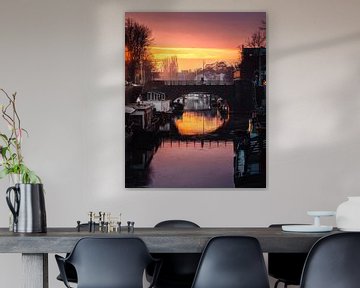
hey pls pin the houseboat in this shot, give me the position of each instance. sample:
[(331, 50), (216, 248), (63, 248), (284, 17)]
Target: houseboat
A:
[(158, 99), (140, 117)]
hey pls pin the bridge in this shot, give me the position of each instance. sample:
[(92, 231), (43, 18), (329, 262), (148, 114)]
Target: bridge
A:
[(240, 95)]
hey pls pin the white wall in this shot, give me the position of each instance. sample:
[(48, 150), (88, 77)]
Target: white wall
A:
[(65, 60)]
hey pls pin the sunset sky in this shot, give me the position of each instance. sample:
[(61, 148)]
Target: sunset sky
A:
[(199, 37)]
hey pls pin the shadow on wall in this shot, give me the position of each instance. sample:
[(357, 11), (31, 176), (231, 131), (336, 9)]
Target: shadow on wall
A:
[(325, 44), (314, 112)]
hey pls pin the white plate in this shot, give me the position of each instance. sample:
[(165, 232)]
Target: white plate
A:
[(321, 213), (306, 228)]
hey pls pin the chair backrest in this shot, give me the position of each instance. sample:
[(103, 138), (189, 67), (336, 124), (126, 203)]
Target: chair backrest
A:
[(286, 267), (110, 262), (178, 269), (232, 262), (333, 262), (176, 224)]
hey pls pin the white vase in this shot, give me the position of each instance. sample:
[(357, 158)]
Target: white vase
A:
[(348, 214)]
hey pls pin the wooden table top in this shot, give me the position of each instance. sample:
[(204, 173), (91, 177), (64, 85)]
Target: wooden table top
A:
[(158, 240)]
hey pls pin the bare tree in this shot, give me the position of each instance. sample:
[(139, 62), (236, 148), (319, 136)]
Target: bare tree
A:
[(258, 38), (263, 25), (137, 41)]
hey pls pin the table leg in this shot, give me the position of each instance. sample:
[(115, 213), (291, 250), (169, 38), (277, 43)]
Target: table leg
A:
[(35, 270)]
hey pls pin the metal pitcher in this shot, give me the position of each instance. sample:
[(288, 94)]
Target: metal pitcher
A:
[(27, 207)]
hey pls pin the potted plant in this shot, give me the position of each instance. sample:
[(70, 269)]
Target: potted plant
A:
[(11, 158), (26, 198)]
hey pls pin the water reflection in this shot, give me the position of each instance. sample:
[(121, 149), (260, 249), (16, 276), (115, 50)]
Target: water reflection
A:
[(203, 145), (192, 123), (192, 164)]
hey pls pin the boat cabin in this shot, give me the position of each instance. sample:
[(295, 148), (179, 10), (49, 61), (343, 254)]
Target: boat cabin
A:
[(158, 99), (139, 116)]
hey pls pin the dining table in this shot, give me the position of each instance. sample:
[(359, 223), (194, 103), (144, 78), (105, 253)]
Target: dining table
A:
[(35, 247)]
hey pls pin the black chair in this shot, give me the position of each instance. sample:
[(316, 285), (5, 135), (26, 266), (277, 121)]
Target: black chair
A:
[(178, 269), (69, 269), (286, 267), (108, 263), (333, 262), (176, 224), (232, 262)]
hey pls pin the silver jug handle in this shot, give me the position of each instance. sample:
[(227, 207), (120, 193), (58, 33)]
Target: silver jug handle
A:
[(13, 208)]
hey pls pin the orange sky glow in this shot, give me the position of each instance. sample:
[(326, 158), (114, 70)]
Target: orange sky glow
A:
[(192, 58), (198, 37)]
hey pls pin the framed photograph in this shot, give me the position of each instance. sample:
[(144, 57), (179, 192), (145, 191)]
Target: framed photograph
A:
[(195, 99)]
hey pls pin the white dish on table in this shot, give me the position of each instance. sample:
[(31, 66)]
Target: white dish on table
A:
[(316, 227), (306, 228)]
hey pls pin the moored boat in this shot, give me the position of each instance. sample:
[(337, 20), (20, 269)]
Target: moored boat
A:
[(140, 117), (158, 99)]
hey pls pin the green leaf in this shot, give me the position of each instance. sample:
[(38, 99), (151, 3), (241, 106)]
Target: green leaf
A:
[(33, 177), (26, 132), (3, 151), (27, 175), (4, 137), (13, 156)]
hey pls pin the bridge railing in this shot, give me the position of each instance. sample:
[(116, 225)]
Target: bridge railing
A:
[(192, 82)]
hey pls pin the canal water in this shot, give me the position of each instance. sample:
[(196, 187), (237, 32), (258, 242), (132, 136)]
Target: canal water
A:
[(187, 164), (195, 149)]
